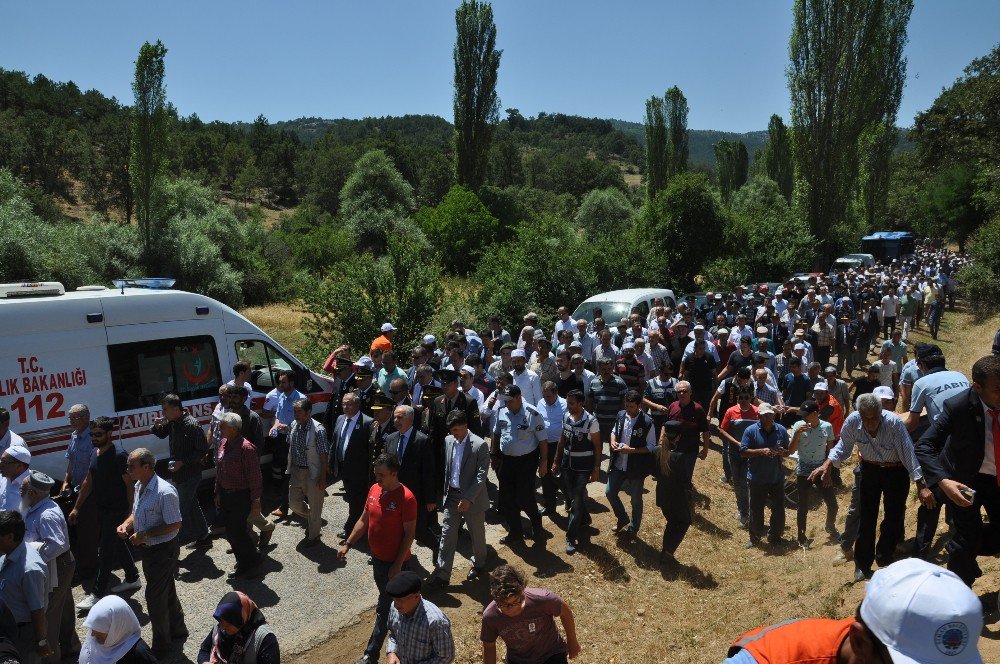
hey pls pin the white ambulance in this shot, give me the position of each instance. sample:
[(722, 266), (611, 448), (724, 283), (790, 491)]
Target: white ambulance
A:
[(118, 350)]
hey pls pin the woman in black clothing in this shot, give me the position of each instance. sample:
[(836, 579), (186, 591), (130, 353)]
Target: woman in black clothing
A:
[(241, 635), (672, 496), (114, 635)]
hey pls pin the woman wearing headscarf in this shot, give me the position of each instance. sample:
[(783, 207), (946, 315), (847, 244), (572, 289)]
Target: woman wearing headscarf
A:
[(242, 635), (114, 635)]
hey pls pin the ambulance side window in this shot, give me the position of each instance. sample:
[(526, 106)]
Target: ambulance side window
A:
[(265, 363), (141, 373)]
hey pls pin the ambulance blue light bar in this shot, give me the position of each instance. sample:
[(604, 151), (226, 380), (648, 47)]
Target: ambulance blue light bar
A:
[(153, 283)]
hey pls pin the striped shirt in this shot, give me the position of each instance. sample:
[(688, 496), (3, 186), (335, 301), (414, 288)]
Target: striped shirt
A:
[(156, 505), (891, 444), (766, 394), (608, 398), (424, 636)]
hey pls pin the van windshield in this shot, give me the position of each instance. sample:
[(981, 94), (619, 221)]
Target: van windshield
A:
[(610, 311)]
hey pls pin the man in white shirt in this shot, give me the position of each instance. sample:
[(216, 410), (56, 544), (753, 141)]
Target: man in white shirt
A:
[(14, 464), (526, 379), (7, 437), (890, 305)]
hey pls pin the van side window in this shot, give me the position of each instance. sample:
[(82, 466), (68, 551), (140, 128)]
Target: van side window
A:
[(643, 308), (141, 373), (265, 362)]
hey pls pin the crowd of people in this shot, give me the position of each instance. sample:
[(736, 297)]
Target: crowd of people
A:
[(772, 372)]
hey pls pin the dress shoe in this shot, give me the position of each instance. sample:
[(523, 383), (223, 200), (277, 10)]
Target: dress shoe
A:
[(512, 540), (365, 659), (342, 535), (126, 586), (570, 547), (203, 543), (621, 525), (265, 538), (861, 575), (667, 558), (307, 543), (435, 583), (474, 574)]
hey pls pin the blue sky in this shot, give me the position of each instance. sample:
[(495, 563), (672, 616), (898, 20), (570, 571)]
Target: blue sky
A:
[(232, 61)]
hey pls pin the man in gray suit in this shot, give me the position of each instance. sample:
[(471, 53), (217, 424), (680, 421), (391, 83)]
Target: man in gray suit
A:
[(467, 462)]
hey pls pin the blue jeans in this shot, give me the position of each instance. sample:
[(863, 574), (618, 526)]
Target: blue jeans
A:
[(193, 525), (616, 480), (576, 481)]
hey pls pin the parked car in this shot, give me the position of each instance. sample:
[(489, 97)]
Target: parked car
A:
[(852, 262), (618, 304)]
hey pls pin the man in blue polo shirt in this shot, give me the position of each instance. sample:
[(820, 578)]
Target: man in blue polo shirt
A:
[(764, 445), (279, 404)]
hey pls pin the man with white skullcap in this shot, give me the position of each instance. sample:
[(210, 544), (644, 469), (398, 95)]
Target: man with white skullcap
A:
[(13, 469)]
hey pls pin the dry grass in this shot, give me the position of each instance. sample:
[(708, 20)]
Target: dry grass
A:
[(629, 610), (281, 322)]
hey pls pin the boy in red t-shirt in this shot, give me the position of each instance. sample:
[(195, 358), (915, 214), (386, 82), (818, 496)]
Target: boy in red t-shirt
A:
[(390, 520)]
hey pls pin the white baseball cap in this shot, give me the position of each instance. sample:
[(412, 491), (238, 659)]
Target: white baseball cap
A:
[(923, 614), (429, 339), (884, 392), (765, 409), (821, 386), (388, 327)]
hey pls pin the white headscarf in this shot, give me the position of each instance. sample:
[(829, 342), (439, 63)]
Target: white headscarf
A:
[(111, 616)]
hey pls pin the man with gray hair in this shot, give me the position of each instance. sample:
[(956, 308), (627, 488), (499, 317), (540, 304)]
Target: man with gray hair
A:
[(154, 525), (888, 463), (309, 454), (417, 471), (237, 491)]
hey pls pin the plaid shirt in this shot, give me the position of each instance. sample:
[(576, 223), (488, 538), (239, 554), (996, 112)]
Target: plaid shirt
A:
[(237, 467), (825, 335), (766, 394), (297, 436), (424, 637)]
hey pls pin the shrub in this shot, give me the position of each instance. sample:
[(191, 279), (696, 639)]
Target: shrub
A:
[(605, 211), (461, 226), (981, 279), (402, 286)]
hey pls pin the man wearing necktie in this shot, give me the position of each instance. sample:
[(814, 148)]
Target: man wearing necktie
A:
[(959, 454), (416, 472), (352, 436)]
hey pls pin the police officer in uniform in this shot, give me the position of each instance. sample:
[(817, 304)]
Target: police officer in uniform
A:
[(344, 382), (365, 386), (518, 449), (382, 427), (436, 418), (578, 458)]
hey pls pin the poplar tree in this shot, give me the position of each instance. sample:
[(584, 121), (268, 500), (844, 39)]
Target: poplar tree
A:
[(845, 77), (149, 141), (656, 147), (477, 107), (777, 157), (677, 133), (732, 163)]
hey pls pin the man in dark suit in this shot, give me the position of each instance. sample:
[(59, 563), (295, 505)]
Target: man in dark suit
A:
[(352, 457), (958, 455), (416, 472), (467, 464)]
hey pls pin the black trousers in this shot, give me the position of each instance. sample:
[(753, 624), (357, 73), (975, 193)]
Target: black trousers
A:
[(279, 464), (355, 493), (380, 572), (83, 539), (970, 535), (112, 550), (550, 485), (517, 492), (822, 355), (889, 486), (159, 564), (235, 507)]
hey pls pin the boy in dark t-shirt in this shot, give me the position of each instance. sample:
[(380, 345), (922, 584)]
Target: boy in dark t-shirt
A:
[(524, 618)]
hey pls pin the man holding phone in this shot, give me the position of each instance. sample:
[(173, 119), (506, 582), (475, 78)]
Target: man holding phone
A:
[(959, 455)]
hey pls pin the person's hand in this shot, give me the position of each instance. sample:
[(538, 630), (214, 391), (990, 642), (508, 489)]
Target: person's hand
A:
[(819, 474), (73, 514), (66, 486), (926, 498), (122, 531), (395, 569), (272, 433), (543, 469), (138, 538), (431, 507), (573, 648), (953, 491), (464, 505), (44, 652), (390, 658), (177, 466), (342, 552), (595, 476), (703, 453)]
